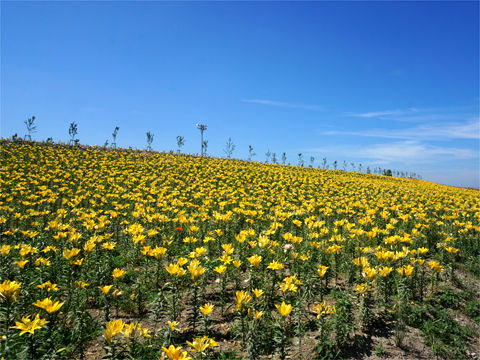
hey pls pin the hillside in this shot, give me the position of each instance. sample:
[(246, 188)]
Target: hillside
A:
[(138, 251)]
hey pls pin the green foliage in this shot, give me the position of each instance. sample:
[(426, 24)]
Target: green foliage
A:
[(379, 350), (449, 298), (343, 324), (447, 338), (472, 309)]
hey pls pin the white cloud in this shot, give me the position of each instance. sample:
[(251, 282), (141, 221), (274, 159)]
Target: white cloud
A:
[(374, 114), (412, 151), (407, 152), (452, 113), (283, 104), (440, 131)]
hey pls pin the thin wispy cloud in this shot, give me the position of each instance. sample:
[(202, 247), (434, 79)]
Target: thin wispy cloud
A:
[(418, 114), (283, 104), (443, 131), (408, 152), (412, 151), (375, 114)]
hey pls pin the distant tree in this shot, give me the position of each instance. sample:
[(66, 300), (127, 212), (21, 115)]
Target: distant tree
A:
[(368, 170), (359, 167), (300, 159), (284, 158), (267, 154), (352, 164), (149, 140), (229, 148), (387, 172), (114, 136), (335, 163), (31, 128), (251, 153), (344, 166), (73, 131), (274, 158), (180, 143), (105, 144), (324, 163), (312, 160)]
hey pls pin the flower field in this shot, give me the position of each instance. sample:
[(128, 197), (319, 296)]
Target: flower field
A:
[(127, 254)]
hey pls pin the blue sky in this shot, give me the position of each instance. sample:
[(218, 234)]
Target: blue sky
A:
[(389, 84)]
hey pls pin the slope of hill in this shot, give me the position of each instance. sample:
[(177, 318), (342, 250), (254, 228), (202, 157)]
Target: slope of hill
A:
[(123, 253)]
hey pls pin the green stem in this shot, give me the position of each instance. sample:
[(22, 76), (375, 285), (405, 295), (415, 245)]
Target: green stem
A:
[(7, 322)]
